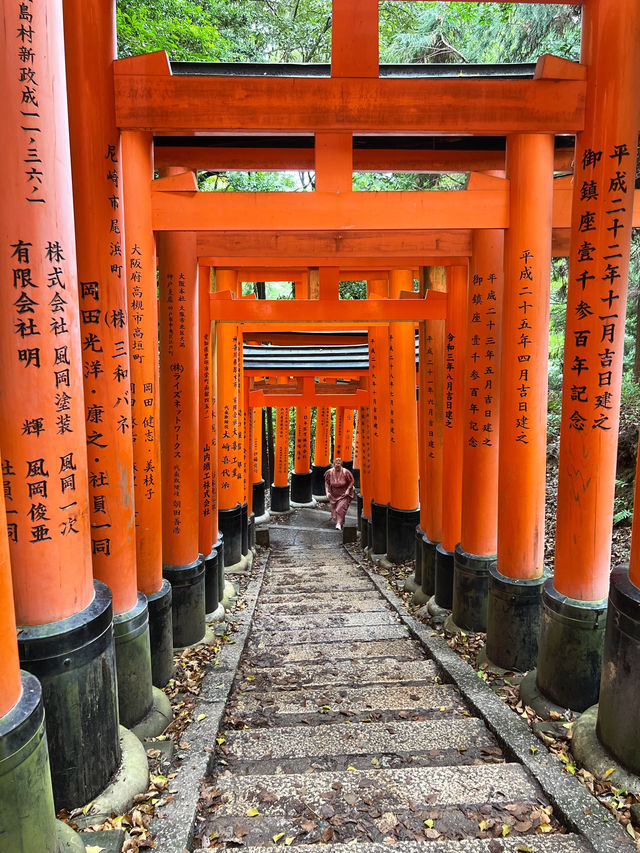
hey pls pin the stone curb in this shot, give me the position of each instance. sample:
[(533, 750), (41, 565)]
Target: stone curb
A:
[(573, 804), (174, 830)]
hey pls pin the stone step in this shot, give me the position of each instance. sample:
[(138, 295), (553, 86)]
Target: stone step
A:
[(348, 672), (335, 619), (325, 599), (554, 843), (328, 704), (362, 633), (404, 649), (369, 739), (420, 788), (285, 606)]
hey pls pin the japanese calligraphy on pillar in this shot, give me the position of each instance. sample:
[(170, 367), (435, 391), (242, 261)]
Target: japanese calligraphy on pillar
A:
[(373, 385), (525, 309), (596, 314), (482, 380), (31, 119), (430, 420), (451, 369)]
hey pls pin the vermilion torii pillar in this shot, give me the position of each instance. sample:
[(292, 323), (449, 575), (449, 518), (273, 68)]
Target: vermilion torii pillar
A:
[(63, 614), (301, 475), (379, 396), (208, 545), (515, 584), (230, 427), (257, 480), (357, 443), (321, 452), (431, 429), (96, 164), (338, 432), (574, 602), (140, 265), (183, 565), (27, 814), (366, 472), (280, 488), (455, 341), (403, 513), (476, 550), (348, 420)]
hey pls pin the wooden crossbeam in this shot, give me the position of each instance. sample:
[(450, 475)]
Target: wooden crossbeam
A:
[(167, 104), (329, 311), (357, 400)]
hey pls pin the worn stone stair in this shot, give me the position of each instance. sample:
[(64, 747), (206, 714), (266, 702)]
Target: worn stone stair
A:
[(339, 729)]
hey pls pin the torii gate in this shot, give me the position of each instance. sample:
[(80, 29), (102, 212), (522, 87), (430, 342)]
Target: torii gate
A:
[(78, 244)]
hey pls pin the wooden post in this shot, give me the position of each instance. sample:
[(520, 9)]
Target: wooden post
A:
[(280, 501), (140, 264), (477, 549), (301, 494), (347, 437), (431, 421), (321, 452), (42, 426), (179, 426), (357, 451), (366, 472), (572, 631), (515, 584), (230, 485), (403, 513), (455, 342), (338, 433), (378, 337)]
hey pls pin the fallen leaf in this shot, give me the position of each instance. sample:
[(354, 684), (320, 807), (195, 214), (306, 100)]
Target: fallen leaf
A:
[(505, 830), (252, 812), (93, 849), (200, 717), (428, 822), (609, 772), (289, 839), (277, 837)]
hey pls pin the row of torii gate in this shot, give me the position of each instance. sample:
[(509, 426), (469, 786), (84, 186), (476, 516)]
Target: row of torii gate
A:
[(129, 479)]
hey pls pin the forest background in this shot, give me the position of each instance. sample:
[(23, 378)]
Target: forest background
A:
[(416, 32)]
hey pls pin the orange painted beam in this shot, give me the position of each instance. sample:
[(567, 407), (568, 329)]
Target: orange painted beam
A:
[(354, 38), (328, 211), (311, 248), (302, 159), (170, 104), (433, 307)]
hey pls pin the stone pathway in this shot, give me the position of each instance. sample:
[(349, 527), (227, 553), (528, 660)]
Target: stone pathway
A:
[(339, 729)]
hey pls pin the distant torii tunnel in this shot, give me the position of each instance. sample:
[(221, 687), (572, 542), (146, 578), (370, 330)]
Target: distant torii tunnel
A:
[(134, 373)]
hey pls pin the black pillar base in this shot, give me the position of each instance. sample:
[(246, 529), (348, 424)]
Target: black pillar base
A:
[(513, 621), (259, 508), (230, 524), (356, 477), (570, 648), (245, 528), (370, 536), (27, 814), (358, 509), (211, 582), (161, 634), (188, 597), (301, 488), (252, 530), (280, 499), (428, 565), (401, 532), (378, 532), (619, 710), (133, 663), (444, 577), (471, 589), (348, 464), (74, 660), (317, 480), (417, 556), (219, 548), (365, 524)]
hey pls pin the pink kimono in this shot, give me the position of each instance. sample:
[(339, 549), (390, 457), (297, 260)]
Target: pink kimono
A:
[(339, 487)]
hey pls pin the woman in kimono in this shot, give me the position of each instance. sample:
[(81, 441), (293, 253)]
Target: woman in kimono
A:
[(338, 484)]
